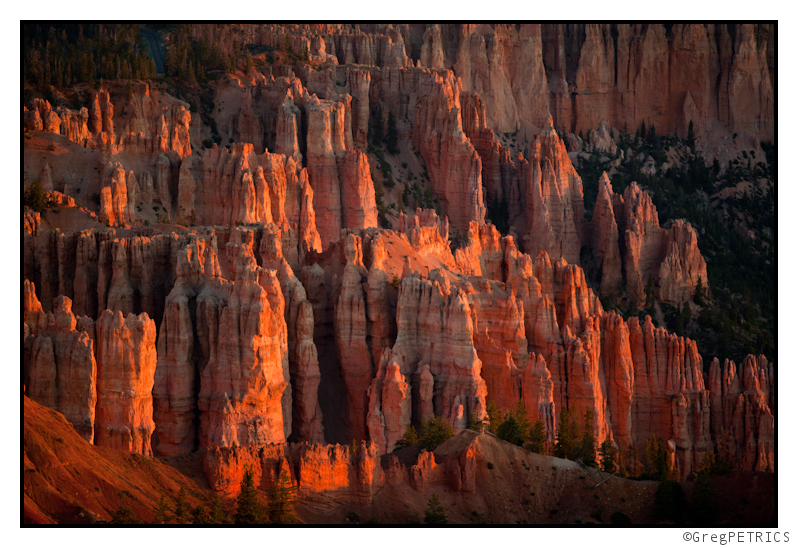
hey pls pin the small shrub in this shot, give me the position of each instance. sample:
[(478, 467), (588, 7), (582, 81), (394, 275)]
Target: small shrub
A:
[(34, 197), (125, 516), (490, 466), (435, 514)]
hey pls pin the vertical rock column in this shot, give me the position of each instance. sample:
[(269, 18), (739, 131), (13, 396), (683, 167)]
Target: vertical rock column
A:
[(350, 337), (243, 382), (126, 360), (61, 369)]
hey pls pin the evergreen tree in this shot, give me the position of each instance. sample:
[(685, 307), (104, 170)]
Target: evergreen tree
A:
[(199, 515), (607, 451), (656, 458), (510, 431), (537, 438), (473, 423), (249, 510), (690, 136), (410, 438), (703, 508), (522, 418), (698, 294), (125, 516), (587, 448), (435, 514), (181, 507), (670, 500), (162, 511), (708, 464), (217, 513), (494, 416), (34, 197), (281, 501), (567, 436), (434, 432)]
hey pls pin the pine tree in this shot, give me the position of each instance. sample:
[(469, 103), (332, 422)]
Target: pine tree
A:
[(537, 438), (587, 447), (410, 438), (703, 508), (435, 514), (494, 416), (125, 516), (433, 432), (249, 510), (698, 294), (281, 501), (181, 507), (199, 515), (607, 451), (656, 458), (670, 500), (217, 514), (162, 511), (522, 418), (567, 436), (473, 423), (509, 430)]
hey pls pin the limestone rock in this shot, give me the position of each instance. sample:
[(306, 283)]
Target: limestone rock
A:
[(126, 360), (61, 372)]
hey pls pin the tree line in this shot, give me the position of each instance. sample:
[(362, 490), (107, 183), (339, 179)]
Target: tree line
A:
[(63, 55), (249, 510)]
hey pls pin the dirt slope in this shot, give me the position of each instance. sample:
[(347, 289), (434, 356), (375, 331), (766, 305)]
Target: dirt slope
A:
[(67, 480)]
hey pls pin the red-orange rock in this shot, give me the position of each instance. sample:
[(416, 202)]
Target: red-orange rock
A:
[(174, 392), (126, 361), (682, 266), (643, 238), (351, 331), (454, 166), (605, 238), (243, 382), (61, 371), (554, 201)]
